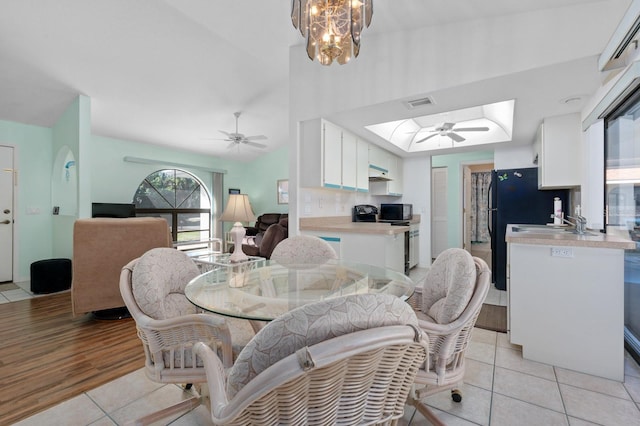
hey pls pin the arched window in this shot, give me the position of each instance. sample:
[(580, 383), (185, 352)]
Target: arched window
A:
[(181, 199)]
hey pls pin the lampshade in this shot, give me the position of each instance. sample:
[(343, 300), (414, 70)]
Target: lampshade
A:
[(238, 209), (331, 27)]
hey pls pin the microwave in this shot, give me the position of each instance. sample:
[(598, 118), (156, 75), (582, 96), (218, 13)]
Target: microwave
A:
[(396, 212)]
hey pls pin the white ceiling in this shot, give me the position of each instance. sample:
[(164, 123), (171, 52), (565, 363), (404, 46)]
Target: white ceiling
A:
[(173, 72)]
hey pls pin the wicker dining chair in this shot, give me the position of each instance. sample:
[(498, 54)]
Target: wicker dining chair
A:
[(303, 249), (152, 287), (447, 306), (348, 360)]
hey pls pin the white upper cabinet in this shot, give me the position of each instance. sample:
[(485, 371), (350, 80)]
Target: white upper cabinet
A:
[(331, 157), (559, 150)]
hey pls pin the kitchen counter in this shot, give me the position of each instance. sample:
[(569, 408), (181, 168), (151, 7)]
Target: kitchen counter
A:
[(566, 291), (344, 224), (551, 236)]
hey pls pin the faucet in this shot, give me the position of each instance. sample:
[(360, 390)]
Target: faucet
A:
[(580, 221)]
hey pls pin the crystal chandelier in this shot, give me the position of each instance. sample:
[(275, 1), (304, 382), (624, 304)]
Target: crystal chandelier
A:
[(331, 27)]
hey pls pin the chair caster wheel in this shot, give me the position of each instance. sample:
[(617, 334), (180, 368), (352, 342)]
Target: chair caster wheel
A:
[(187, 386), (456, 395)]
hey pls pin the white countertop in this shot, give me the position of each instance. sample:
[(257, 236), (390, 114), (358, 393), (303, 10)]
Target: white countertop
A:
[(593, 239)]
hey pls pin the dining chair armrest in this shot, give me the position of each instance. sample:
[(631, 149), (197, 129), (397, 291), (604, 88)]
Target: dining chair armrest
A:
[(216, 377)]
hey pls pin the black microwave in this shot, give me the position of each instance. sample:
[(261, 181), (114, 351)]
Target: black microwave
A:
[(396, 212)]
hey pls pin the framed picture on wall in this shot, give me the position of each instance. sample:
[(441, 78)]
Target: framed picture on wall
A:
[(234, 191), (283, 191)]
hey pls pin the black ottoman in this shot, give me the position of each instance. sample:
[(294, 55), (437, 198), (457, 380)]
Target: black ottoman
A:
[(50, 275)]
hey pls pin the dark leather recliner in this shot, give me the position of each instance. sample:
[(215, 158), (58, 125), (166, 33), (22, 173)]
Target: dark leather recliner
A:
[(263, 222), (267, 241)]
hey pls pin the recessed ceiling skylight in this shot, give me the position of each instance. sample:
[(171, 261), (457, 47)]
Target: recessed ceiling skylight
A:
[(484, 124)]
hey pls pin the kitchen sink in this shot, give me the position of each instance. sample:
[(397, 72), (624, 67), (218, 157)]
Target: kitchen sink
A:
[(546, 229)]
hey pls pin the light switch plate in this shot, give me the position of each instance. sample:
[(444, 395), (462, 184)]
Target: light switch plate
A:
[(561, 252)]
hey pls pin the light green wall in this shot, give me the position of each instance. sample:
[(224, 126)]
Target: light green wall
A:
[(260, 181), (453, 163), (33, 158)]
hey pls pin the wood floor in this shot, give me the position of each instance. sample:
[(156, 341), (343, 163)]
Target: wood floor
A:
[(47, 356)]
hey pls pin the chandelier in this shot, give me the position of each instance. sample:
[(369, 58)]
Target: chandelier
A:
[(331, 27)]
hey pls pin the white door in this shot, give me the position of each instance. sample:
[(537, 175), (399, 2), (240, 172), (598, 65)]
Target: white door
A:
[(6, 213), (466, 209), (439, 221)]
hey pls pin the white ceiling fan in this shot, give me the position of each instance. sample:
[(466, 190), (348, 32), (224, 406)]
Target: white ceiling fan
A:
[(237, 138), (447, 129)]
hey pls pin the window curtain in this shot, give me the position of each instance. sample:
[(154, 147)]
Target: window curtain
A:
[(480, 183)]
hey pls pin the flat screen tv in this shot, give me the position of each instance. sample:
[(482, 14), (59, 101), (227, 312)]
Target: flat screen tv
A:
[(118, 210)]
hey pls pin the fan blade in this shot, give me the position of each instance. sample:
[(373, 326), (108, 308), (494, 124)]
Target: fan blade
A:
[(447, 126), (256, 138), (471, 129), (428, 137), (227, 134), (231, 145), (256, 144), (456, 137)]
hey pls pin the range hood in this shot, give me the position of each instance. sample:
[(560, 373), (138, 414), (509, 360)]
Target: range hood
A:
[(378, 174)]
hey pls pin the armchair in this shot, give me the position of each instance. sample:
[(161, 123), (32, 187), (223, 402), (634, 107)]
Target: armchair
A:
[(447, 307), (348, 360), (263, 222), (263, 243), (152, 287)]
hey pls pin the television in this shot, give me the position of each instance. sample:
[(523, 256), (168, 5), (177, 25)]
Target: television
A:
[(118, 210)]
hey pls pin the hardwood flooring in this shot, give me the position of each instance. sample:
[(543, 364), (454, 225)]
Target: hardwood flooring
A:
[(48, 356)]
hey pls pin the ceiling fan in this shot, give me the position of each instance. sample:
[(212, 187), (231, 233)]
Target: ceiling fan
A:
[(447, 129), (237, 138)]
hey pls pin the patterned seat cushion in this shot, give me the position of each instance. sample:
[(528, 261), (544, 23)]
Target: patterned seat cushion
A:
[(314, 323), (158, 281), (449, 285)]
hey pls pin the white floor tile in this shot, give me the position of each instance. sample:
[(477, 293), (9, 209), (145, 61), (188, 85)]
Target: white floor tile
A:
[(631, 367), (512, 360), (483, 352), (599, 408), (76, 411), (3, 299), (17, 294), (120, 392), (163, 397), (525, 387), (507, 411), (596, 384), (479, 374), (474, 407), (632, 385), (481, 335)]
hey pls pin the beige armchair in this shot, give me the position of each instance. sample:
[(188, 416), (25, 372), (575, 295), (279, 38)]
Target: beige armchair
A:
[(152, 287), (447, 306), (348, 360), (101, 247)]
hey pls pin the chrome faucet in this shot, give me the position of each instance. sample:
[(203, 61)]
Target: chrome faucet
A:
[(580, 222)]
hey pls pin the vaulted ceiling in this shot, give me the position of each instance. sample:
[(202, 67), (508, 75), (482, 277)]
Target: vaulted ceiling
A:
[(173, 72)]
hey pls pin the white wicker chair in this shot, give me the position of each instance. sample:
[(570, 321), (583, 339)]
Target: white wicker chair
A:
[(152, 287), (348, 360), (303, 249), (448, 322)]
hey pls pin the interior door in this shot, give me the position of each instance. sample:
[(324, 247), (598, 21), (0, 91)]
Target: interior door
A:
[(6, 213), (439, 220), (466, 208)]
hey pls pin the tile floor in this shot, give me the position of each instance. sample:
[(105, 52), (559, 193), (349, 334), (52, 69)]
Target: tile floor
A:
[(501, 388)]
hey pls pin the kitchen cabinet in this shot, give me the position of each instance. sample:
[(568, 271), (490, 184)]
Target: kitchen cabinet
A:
[(558, 146), (382, 250), (414, 244), (566, 306), (330, 157), (393, 165), (362, 166)]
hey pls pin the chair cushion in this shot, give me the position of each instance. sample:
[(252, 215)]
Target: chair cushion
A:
[(303, 249), (158, 281), (449, 285), (314, 323)]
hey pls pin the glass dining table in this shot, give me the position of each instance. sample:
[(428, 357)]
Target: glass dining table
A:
[(263, 291)]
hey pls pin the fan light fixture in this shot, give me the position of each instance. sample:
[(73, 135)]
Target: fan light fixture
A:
[(331, 27)]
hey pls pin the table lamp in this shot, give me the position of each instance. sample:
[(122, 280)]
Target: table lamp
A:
[(238, 210)]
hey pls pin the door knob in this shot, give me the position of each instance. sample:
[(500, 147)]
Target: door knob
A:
[(6, 222), (6, 211)]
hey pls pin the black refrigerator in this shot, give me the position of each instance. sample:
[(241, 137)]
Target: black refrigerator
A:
[(514, 197)]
